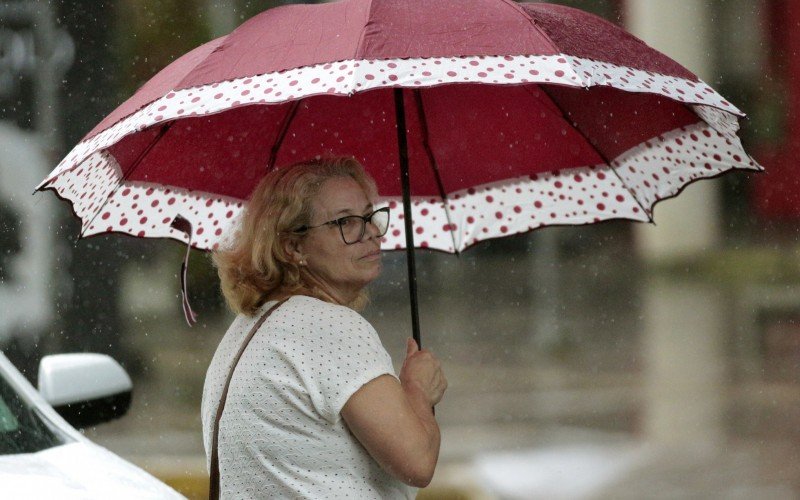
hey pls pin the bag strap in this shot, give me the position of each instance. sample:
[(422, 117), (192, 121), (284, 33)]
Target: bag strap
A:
[(213, 489)]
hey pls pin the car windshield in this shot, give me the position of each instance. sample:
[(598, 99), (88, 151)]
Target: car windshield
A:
[(22, 427)]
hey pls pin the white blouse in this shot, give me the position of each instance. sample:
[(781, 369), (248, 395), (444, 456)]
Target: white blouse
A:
[(281, 433)]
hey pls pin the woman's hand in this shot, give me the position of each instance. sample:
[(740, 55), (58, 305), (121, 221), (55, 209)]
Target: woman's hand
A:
[(422, 371)]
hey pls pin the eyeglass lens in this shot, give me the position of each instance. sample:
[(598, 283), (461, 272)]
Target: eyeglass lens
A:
[(353, 227)]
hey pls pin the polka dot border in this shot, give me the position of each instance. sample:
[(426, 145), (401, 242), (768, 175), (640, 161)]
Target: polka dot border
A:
[(105, 204), (637, 180), (348, 77)]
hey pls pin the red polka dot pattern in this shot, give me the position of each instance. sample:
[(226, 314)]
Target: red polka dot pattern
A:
[(143, 209), (722, 122), (642, 176), (660, 168), (347, 77), (91, 180)]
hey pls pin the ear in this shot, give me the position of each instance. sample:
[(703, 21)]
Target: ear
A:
[(294, 249)]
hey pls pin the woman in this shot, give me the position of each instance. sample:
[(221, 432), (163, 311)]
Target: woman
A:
[(314, 409)]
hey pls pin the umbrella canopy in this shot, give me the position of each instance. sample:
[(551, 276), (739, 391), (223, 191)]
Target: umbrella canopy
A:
[(517, 115)]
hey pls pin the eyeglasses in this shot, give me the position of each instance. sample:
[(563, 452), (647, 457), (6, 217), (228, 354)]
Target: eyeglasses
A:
[(353, 227)]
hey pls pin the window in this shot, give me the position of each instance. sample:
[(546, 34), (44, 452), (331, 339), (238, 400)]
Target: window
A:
[(22, 427)]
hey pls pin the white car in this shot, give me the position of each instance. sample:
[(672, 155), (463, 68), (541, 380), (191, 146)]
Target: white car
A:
[(43, 456)]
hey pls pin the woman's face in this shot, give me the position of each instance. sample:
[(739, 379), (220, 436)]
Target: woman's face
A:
[(342, 269)]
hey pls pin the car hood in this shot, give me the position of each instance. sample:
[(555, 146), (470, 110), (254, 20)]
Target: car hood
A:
[(77, 470)]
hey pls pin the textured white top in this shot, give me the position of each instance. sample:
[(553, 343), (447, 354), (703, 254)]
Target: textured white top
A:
[(281, 434)]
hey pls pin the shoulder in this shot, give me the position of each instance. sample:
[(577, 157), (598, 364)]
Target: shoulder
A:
[(301, 310), (310, 325)]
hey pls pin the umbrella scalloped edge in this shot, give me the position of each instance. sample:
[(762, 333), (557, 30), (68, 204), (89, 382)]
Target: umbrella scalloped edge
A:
[(638, 180), (143, 209), (629, 189), (348, 77)]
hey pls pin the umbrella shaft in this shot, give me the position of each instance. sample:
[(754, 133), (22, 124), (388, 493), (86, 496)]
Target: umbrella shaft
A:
[(402, 145)]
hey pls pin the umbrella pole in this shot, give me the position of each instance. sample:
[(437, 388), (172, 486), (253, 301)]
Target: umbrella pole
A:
[(402, 145)]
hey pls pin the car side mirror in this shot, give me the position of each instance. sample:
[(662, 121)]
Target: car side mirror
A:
[(85, 389)]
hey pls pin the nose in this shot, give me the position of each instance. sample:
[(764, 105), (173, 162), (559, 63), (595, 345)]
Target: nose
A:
[(371, 231)]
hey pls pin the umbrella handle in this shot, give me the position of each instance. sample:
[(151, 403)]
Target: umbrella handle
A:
[(402, 146)]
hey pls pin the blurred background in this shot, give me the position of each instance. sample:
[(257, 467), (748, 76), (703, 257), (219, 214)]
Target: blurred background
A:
[(606, 361)]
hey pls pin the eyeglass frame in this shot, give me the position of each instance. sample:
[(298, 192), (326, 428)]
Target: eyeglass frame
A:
[(366, 219)]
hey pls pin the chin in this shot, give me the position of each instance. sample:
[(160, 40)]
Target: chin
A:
[(373, 274), (372, 277)]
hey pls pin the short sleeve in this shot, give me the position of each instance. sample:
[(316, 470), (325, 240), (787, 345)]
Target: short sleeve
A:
[(348, 354)]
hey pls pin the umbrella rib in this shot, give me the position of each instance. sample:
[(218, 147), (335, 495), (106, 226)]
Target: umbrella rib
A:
[(514, 5), (128, 172), (600, 153), (426, 144), (287, 120)]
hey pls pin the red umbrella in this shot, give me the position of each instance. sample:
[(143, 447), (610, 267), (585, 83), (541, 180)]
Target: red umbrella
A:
[(508, 117)]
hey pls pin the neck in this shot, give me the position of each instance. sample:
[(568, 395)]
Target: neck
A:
[(328, 293)]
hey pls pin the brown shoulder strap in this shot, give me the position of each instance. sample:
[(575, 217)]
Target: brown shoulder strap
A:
[(213, 490)]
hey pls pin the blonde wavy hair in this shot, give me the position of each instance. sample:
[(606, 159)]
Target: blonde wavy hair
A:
[(255, 268)]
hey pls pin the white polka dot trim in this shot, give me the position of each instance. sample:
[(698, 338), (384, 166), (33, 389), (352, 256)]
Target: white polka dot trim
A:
[(652, 171), (348, 77), (106, 204), (641, 177)]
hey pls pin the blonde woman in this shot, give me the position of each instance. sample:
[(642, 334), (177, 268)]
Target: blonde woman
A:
[(313, 408)]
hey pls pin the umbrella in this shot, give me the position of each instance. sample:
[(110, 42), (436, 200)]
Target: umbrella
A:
[(481, 118)]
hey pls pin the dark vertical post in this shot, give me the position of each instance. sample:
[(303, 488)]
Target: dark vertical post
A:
[(402, 146)]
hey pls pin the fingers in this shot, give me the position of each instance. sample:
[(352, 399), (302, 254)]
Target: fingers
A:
[(423, 371), (411, 346), (438, 388)]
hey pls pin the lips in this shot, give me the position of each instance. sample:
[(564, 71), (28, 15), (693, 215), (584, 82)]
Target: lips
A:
[(376, 253)]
